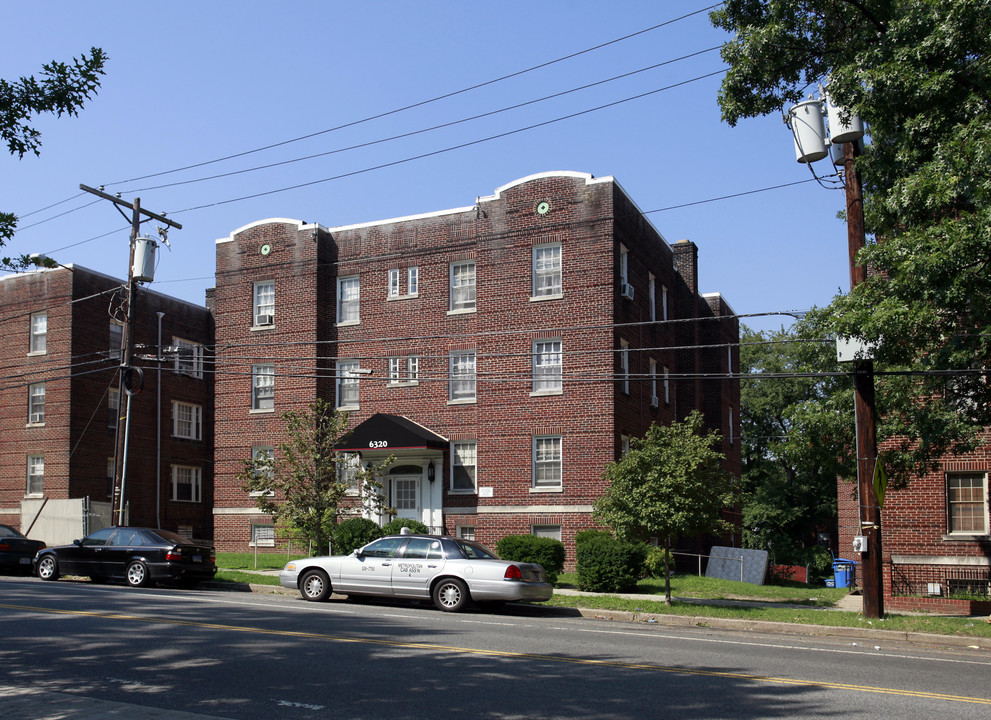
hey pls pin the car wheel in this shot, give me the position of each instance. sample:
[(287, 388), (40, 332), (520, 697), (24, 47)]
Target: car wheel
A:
[(137, 574), (48, 568), (450, 595), (314, 586)]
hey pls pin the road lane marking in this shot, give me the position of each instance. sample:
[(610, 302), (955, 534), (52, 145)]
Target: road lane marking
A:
[(433, 647)]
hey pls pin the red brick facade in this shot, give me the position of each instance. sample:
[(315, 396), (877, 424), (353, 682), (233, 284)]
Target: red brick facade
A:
[(599, 323), (75, 372), (926, 558)]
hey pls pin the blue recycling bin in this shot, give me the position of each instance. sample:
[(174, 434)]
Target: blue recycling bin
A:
[(844, 572)]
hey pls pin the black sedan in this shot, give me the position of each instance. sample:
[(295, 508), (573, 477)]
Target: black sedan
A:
[(17, 551), (140, 556)]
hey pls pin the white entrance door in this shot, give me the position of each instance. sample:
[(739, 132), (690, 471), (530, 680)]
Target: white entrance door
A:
[(406, 496)]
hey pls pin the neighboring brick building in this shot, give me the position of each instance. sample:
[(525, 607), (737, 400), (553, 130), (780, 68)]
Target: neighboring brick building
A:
[(935, 537), (59, 404), (503, 352)]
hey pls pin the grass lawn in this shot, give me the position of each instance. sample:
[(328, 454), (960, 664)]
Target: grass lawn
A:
[(817, 599)]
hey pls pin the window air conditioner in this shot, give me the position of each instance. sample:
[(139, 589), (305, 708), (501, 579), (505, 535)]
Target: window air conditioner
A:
[(653, 401), (265, 319), (628, 291)]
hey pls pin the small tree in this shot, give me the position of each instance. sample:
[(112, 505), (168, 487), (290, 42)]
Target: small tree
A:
[(670, 484), (300, 485)]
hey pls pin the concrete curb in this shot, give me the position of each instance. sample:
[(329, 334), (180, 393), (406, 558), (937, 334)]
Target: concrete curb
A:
[(701, 621)]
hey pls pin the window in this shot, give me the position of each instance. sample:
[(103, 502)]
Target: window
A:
[(404, 370), (624, 445), (546, 531), (967, 503), (348, 299), (111, 466), (264, 303), (667, 386), (547, 366), (187, 420), (263, 387), (395, 282), (116, 339), (652, 292), (347, 384), (262, 535), (189, 358), (36, 404), (463, 285), (664, 303), (625, 289), (113, 407), (464, 464), (463, 375), (39, 334), (653, 383), (466, 532), (731, 420), (187, 483), (349, 472), (624, 365), (547, 462), (36, 474), (547, 270)]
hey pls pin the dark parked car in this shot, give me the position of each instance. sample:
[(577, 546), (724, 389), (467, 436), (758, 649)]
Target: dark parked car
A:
[(16, 551), (140, 556)]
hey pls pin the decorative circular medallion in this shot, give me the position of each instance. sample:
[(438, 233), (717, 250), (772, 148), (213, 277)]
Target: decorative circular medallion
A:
[(266, 249), (543, 208)]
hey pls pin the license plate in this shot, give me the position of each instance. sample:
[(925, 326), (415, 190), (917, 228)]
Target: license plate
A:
[(25, 561), (197, 558)]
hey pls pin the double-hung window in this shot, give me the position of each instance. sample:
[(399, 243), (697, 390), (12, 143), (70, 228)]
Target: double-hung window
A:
[(412, 282), (189, 358), (187, 420), (967, 503), (348, 299), (462, 375), (113, 407), (116, 339), (264, 305), (547, 271), (404, 370), (39, 334), (667, 386), (547, 366), (187, 483), (624, 365), (547, 461), (464, 463), (653, 383), (652, 293), (349, 473), (263, 387), (36, 404), (463, 285), (347, 384), (36, 474), (264, 458)]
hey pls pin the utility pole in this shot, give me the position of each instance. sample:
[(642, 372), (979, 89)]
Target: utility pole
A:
[(872, 565), (806, 120), (130, 381)]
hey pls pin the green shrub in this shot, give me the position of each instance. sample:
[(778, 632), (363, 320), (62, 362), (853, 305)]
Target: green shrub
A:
[(353, 533), (394, 527), (820, 564), (546, 552), (605, 564), (658, 560)]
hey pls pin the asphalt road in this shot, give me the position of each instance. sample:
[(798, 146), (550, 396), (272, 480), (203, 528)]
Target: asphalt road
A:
[(73, 650)]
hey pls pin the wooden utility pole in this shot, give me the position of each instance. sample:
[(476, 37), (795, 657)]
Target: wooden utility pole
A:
[(128, 378), (872, 566)]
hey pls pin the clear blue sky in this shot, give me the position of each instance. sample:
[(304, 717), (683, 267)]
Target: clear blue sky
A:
[(191, 82)]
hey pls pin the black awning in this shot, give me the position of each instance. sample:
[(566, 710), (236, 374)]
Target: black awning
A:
[(391, 432)]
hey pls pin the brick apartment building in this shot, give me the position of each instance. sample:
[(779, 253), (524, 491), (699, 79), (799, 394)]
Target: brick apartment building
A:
[(504, 353), (60, 403), (935, 537)]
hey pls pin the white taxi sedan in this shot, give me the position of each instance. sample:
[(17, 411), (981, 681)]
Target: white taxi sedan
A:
[(450, 571)]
